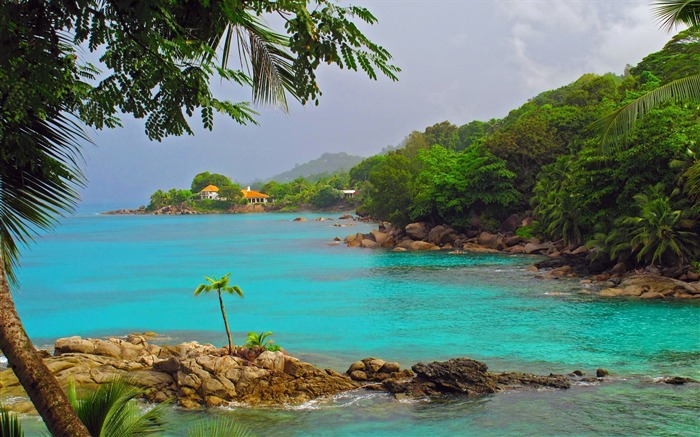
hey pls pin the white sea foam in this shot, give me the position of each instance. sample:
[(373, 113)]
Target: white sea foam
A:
[(3, 361)]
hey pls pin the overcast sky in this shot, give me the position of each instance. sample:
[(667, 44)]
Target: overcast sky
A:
[(460, 61)]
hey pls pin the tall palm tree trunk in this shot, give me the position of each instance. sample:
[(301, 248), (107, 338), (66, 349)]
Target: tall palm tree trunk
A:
[(228, 333), (41, 386)]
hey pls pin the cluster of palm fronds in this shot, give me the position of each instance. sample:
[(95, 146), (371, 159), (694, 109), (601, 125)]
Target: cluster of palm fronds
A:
[(111, 410)]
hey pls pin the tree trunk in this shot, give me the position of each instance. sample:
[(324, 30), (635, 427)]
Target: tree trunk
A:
[(228, 332), (41, 386)]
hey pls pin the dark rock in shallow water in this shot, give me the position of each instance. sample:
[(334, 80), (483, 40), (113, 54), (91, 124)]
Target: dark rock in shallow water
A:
[(601, 373), (677, 380), (467, 376)]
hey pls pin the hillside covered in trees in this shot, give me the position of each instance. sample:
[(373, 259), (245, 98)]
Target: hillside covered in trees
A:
[(635, 200)]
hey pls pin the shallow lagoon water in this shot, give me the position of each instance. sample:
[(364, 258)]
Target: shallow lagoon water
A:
[(330, 305)]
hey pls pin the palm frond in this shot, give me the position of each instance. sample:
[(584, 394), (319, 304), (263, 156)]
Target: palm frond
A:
[(10, 425), (38, 181), (111, 410), (617, 125), (671, 13), (218, 428)]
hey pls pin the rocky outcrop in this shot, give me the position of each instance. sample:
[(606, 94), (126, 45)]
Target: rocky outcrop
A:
[(650, 286), (469, 377), (376, 370), (175, 210), (194, 374), (424, 236), (418, 231)]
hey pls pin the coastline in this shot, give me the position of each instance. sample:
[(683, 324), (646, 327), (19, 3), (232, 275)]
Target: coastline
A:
[(561, 261)]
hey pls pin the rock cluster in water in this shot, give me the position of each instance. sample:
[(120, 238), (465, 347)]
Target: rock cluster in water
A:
[(455, 376), (199, 375), (562, 262), (202, 375), (194, 374)]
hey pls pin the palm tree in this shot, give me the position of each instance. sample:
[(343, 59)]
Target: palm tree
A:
[(111, 410), (262, 339), (221, 286), (660, 234), (669, 13)]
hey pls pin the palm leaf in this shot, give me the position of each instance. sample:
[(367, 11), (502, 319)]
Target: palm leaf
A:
[(671, 13), (218, 428), (10, 425), (620, 123), (38, 180), (111, 410)]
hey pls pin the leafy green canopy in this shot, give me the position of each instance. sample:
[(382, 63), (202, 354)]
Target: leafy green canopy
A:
[(159, 57)]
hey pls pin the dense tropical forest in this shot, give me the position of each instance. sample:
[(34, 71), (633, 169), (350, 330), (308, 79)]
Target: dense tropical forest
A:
[(634, 199)]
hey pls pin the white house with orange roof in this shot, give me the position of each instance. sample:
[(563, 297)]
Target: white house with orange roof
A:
[(209, 192), (253, 196)]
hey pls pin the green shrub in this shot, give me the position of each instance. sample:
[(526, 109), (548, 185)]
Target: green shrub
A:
[(525, 231)]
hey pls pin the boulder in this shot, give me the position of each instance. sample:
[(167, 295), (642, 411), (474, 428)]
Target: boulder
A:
[(619, 269), (422, 245), (581, 250), (418, 231), (532, 247), (491, 241), (299, 219), (512, 223), (513, 240), (376, 370), (368, 244), (380, 237), (442, 234)]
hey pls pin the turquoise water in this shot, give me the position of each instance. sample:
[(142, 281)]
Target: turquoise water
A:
[(330, 305)]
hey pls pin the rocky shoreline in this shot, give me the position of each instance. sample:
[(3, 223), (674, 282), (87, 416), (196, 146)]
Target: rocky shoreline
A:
[(202, 375), (561, 261)]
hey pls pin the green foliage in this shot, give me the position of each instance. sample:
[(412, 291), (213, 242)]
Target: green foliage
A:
[(445, 134), (659, 232), (525, 231), (262, 339), (452, 186), (230, 193), (173, 196), (392, 189), (112, 411), (10, 425), (218, 428), (204, 179), (526, 145), (696, 266), (360, 172), (326, 196)]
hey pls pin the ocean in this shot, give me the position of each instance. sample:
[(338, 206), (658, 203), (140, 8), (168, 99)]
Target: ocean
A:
[(331, 305)]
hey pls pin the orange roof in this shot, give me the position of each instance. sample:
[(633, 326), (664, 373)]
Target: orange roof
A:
[(251, 194), (211, 188)]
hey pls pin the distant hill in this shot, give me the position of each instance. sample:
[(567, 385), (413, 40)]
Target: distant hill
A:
[(326, 165)]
